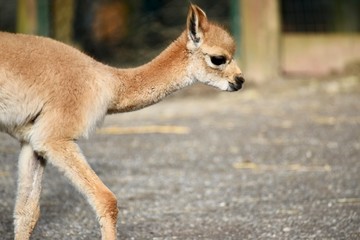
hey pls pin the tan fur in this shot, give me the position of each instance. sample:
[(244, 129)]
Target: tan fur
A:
[(52, 94)]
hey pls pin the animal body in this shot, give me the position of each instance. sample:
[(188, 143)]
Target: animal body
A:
[(52, 94)]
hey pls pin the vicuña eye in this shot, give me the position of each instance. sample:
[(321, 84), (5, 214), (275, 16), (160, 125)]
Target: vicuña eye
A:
[(218, 60)]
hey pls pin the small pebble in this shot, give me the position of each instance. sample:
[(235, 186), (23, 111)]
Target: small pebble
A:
[(286, 229)]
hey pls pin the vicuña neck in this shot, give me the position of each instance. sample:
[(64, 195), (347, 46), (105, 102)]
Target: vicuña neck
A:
[(136, 88)]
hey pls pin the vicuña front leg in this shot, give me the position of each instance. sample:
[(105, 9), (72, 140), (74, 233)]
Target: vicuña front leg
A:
[(27, 208), (66, 156)]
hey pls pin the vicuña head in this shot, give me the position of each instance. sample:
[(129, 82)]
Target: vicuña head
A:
[(204, 52), (211, 50)]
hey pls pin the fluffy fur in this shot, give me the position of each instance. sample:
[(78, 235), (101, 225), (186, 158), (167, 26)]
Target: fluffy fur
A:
[(51, 94)]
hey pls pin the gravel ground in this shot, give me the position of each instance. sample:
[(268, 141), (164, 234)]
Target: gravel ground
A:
[(277, 161)]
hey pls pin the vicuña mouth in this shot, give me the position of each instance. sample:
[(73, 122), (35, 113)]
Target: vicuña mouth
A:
[(233, 87)]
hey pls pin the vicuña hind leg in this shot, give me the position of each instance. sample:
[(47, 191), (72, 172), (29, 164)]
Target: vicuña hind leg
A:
[(66, 156), (27, 208)]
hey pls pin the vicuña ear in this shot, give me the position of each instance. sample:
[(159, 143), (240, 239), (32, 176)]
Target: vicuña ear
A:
[(196, 24)]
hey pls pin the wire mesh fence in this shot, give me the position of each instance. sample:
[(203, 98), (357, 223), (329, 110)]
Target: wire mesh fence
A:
[(321, 16)]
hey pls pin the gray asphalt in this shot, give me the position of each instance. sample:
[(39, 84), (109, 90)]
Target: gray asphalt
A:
[(276, 161)]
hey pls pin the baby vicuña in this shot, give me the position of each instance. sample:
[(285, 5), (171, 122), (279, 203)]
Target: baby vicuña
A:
[(52, 94)]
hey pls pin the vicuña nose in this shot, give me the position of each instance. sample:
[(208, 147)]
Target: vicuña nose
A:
[(239, 79)]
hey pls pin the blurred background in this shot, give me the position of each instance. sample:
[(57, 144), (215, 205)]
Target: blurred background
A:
[(275, 37), (279, 160)]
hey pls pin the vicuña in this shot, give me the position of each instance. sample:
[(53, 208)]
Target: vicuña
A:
[(52, 94)]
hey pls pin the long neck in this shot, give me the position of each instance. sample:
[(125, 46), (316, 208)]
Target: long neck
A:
[(136, 88)]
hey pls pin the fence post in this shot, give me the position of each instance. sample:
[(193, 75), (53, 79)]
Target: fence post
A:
[(236, 26), (260, 39), (43, 17), (26, 21), (63, 14)]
